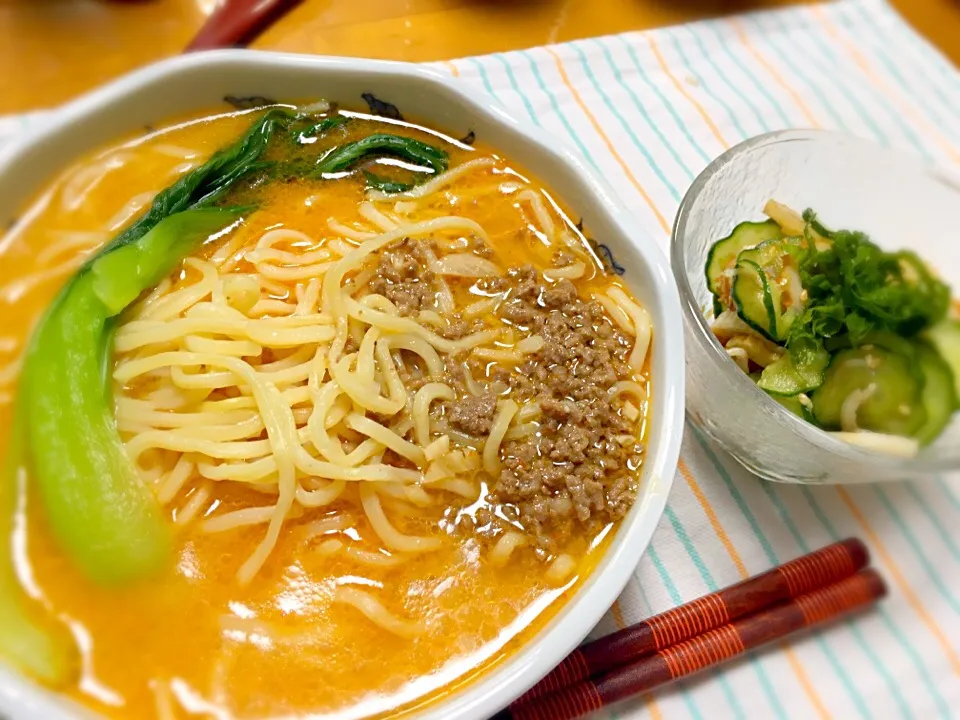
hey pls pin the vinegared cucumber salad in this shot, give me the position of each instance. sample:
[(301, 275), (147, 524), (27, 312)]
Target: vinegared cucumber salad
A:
[(860, 342)]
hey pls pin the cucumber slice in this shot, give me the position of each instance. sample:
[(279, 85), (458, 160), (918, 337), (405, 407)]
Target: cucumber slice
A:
[(796, 404), (939, 396), (791, 403), (894, 405), (761, 289), (945, 337), (784, 378), (723, 253), (892, 342)]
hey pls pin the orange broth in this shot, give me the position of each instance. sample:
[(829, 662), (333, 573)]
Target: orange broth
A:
[(165, 642)]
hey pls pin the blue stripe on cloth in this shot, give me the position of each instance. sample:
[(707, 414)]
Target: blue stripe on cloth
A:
[(774, 560), (611, 106), (516, 88), (773, 495), (645, 77), (677, 599), (917, 660), (951, 491), (681, 534), (880, 45), (842, 59), (948, 538), (677, 47), (707, 576), (727, 44), (941, 68), (935, 574), (838, 88), (796, 70), (654, 127), (482, 72), (556, 109)]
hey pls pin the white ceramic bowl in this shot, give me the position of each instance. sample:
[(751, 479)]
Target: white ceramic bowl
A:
[(198, 82)]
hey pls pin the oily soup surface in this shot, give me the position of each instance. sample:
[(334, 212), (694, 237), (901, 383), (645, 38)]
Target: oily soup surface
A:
[(195, 640)]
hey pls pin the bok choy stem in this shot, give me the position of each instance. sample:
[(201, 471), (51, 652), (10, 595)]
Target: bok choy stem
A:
[(36, 645), (104, 516)]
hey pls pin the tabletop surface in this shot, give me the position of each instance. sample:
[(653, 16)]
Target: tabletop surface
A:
[(73, 45)]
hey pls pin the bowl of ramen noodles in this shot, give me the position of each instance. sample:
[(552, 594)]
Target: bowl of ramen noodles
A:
[(820, 299), (327, 390)]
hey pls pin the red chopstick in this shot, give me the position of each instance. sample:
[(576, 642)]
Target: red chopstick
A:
[(705, 650), (809, 572), (238, 22)]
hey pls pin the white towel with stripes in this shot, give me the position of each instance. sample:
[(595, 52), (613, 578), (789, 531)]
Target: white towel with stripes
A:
[(650, 110)]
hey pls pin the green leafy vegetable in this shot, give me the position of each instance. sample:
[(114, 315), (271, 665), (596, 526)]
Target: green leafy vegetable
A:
[(36, 645), (319, 129), (850, 325), (388, 186), (209, 182), (855, 287), (102, 513), (106, 519), (98, 508), (347, 156)]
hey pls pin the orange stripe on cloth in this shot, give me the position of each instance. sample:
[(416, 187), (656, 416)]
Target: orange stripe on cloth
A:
[(617, 613), (683, 91), (653, 708), (606, 139), (877, 80), (777, 77), (949, 650), (812, 695), (454, 70)]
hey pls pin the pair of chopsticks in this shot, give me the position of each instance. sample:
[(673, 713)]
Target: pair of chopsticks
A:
[(801, 594), (235, 23)]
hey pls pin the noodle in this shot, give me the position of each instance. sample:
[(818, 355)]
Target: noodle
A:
[(374, 610), (374, 414)]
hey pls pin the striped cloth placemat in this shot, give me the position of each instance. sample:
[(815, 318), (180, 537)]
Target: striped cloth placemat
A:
[(650, 110)]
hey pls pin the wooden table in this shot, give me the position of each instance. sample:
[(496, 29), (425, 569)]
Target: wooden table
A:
[(54, 49)]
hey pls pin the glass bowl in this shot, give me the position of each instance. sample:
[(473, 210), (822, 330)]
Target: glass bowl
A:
[(899, 200)]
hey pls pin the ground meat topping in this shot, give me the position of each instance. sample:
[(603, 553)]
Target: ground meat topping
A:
[(473, 415), (403, 277), (576, 470)]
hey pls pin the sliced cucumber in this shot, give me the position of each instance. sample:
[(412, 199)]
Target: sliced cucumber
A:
[(893, 403), (760, 287), (891, 341), (785, 378), (945, 337), (939, 396), (723, 254)]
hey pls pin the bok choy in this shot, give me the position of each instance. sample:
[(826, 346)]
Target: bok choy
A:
[(103, 515)]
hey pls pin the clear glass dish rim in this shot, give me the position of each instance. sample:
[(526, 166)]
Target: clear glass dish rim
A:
[(705, 339)]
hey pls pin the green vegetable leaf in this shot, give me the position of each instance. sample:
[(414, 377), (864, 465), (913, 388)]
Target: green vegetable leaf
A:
[(383, 184), (855, 288), (36, 645), (102, 513), (319, 129), (347, 156), (120, 276)]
